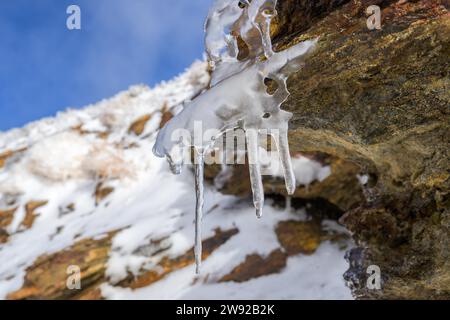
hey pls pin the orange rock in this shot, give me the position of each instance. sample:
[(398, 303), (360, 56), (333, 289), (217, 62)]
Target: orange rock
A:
[(24, 293), (6, 217), (30, 215), (4, 156), (138, 126), (3, 236), (298, 236), (103, 135), (81, 131), (102, 192), (165, 117), (256, 266), (94, 293), (341, 188), (47, 277)]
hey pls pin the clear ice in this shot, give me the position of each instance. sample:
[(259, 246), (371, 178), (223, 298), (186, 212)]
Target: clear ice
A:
[(199, 166), (237, 96)]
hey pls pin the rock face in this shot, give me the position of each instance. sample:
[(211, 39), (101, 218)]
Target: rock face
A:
[(380, 99), (341, 188), (375, 103), (256, 266)]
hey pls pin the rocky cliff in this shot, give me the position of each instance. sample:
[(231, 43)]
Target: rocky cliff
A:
[(376, 103)]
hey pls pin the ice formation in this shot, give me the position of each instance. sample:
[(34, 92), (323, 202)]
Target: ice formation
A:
[(237, 97)]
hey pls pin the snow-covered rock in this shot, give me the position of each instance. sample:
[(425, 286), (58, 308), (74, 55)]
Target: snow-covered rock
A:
[(94, 197)]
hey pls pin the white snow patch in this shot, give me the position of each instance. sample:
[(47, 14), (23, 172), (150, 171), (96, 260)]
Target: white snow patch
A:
[(363, 179)]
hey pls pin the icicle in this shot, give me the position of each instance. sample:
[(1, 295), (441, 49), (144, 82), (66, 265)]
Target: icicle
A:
[(286, 162), (199, 166), (307, 188), (229, 19), (268, 14), (222, 15), (288, 203), (255, 170), (175, 168)]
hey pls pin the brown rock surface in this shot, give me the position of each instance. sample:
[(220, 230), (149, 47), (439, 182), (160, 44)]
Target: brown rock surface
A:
[(377, 103), (4, 156), (298, 236), (166, 115), (381, 99), (6, 217), (4, 236), (47, 277), (30, 212), (138, 126), (101, 192), (256, 266), (341, 188)]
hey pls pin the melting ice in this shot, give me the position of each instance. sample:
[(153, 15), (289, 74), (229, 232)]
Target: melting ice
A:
[(237, 97)]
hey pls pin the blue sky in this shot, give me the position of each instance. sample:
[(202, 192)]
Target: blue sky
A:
[(45, 68)]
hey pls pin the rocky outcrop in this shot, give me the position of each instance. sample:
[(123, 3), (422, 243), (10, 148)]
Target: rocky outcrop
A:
[(299, 236), (30, 213), (6, 217), (374, 103), (4, 156), (138, 126), (256, 266), (380, 99), (341, 188)]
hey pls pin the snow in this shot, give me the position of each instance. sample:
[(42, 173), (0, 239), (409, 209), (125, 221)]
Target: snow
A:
[(363, 179), (305, 170), (305, 277)]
